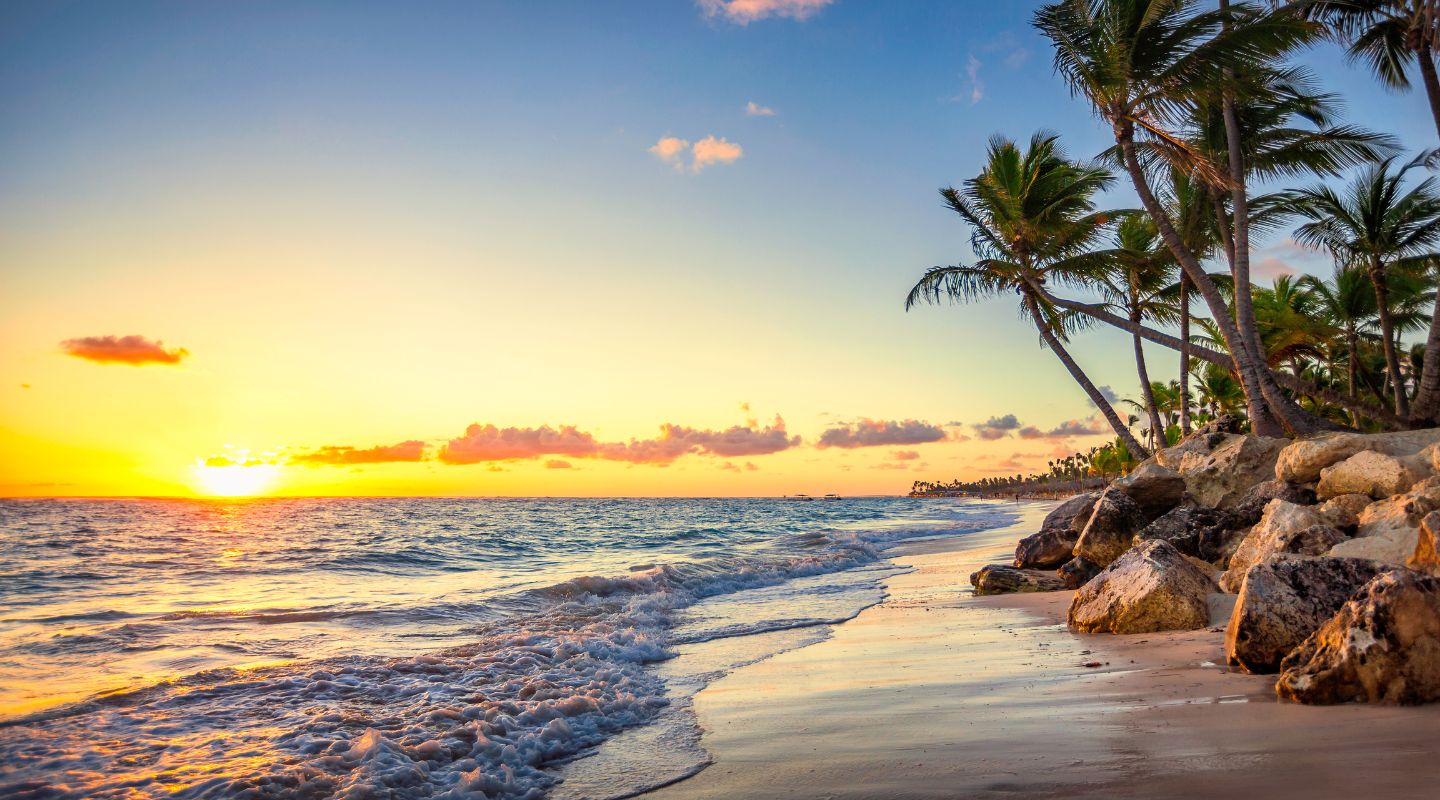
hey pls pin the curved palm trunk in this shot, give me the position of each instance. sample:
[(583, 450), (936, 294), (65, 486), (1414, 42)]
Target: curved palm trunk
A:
[(1425, 411), (1432, 83), (1387, 333), (1256, 396), (1184, 356), (1147, 392), (1084, 380)]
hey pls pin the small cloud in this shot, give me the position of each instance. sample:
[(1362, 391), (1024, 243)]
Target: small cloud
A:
[(1272, 267), (711, 150), (874, 433), (1031, 432), (752, 109), (905, 455), (744, 12), (670, 149), (750, 467), (413, 450), (1107, 393), (489, 443), (133, 350), (1076, 427), (556, 463), (977, 87), (997, 427)]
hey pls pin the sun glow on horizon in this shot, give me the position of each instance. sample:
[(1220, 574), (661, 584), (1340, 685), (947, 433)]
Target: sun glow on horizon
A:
[(235, 480)]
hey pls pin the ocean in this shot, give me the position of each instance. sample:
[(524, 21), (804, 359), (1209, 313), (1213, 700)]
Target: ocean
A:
[(408, 648)]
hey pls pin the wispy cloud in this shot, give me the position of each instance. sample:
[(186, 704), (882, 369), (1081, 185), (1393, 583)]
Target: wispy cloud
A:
[(997, 427), (744, 12), (489, 443), (705, 152), (976, 86), (413, 450), (905, 455), (876, 433), (556, 463), (134, 350), (753, 109)]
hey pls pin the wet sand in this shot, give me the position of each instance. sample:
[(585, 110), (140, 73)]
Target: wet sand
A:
[(937, 693)]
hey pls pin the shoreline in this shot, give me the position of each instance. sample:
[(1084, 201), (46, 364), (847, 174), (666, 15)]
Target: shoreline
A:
[(935, 692)]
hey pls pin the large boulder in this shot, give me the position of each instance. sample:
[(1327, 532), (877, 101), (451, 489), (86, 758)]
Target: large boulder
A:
[(1251, 507), (1382, 647), (1150, 588), (1005, 579), (1284, 528), (1283, 601), (1077, 572), (1367, 472), (1221, 477), (1184, 526), (1072, 514), (1426, 557), (1111, 528), (1387, 531), (1302, 460), (1053, 544), (1154, 488)]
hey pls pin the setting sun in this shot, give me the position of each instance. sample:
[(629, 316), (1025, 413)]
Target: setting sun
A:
[(235, 480)]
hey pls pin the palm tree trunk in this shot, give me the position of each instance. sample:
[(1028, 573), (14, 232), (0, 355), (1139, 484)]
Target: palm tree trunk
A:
[(1147, 392), (1184, 356), (1432, 83), (1240, 229), (1250, 381), (1387, 334), (1352, 353), (1081, 378), (1425, 412)]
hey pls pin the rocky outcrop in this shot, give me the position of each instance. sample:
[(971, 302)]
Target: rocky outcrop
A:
[(1343, 511), (1426, 557), (1077, 572), (1389, 530), (1368, 473), (1284, 601), (1150, 588), (1154, 488), (1184, 527), (1382, 647), (1111, 528), (1052, 546), (1301, 461), (1284, 528), (1005, 579), (1221, 477)]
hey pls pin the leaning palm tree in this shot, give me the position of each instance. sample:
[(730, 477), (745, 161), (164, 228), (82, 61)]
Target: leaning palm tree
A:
[(1347, 301), (1032, 218), (1143, 64), (1380, 225)]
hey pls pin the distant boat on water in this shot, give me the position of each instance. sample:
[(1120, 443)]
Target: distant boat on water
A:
[(808, 499)]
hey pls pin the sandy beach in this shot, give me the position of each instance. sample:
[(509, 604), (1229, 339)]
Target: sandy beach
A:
[(938, 693)]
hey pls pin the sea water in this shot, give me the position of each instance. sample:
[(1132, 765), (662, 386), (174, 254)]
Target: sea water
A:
[(407, 648)]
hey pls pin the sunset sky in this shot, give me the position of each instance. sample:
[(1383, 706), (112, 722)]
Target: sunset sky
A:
[(521, 248)]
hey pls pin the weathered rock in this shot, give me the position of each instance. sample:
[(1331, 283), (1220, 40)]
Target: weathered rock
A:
[(1054, 543), (1150, 588), (1111, 528), (1283, 601), (1251, 507), (1184, 527), (1387, 531), (1217, 545), (1302, 460), (1382, 647), (1005, 579), (1072, 514), (1367, 472), (1077, 572), (1222, 477), (1343, 511), (1197, 443), (1426, 557), (1282, 524), (1154, 488)]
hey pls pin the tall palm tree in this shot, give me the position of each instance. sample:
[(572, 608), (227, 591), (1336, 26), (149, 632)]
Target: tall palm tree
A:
[(1347, 302), (1387, 35), (1377, 223), (1143, 64), (1032, 218)]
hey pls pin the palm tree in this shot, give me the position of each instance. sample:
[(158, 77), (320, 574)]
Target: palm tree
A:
[(1377, 224), (1388, 35), (1032, 218), (1143, 64), (1349, 304)]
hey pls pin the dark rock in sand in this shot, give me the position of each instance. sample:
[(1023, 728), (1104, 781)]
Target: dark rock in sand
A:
[(1111, 529), (1005, 579), (1282, 602), (1077, 572), (1150, 588), (1053, 545), (1154, 488), (1184, 527), (1382, 647)]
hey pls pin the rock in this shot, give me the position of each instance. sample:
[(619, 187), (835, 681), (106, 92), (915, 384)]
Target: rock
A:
[(1111, 528), (1252, 506), (1198, 443), (1222, 477), (1150, 588), (1282, 525), (1343, 511), (1077, 572), (1284, 601), (1072, 514), (1366, 472), (1382, 647), (1217, 545), (1387, 531), (1302, 460), (1053, 545), (1154, 488), (1426, 557), (1184, 527), (1005, 579)]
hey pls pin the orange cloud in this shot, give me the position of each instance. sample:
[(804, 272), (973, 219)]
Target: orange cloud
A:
[(670, 149), (134, 350), (711, 150), (556, 463), (905, 455), (489, 443), (413, 450), (874, 433), (744, 12)]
